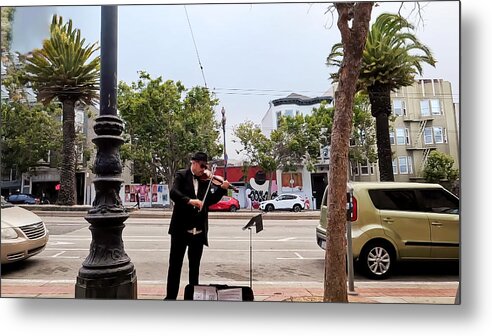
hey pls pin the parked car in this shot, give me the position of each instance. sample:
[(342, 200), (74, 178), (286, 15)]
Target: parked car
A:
[(23, 199), (394, 221), (23, 233), (226, 203), (283, 202)]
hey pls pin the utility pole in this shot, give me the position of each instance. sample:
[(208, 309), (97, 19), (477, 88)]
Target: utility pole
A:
[(224, 133), (107, 272)]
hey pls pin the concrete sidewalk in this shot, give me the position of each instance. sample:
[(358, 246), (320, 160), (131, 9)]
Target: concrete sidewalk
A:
[(367, 292)]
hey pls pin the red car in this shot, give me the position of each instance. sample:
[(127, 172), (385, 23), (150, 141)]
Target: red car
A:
[(227, 203)]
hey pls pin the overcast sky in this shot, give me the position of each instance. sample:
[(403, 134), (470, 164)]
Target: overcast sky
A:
[(56, 317), (250, 53)]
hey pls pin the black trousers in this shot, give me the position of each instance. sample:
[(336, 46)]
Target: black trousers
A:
[(194, 243)]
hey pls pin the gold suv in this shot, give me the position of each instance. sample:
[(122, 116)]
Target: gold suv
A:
[(393, 221)]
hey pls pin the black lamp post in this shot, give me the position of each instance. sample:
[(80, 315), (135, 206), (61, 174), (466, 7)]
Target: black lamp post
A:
[(223, 131), (107, 272)]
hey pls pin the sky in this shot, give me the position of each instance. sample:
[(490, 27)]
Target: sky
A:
[(250, 53), (472, 317)]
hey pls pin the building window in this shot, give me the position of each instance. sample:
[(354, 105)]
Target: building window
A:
[(428, 136), (430, 106), (424, 108), (399, 108), (402, 137), (392, 138), (279, 115), (364, 168), (403, 164), (395, 170), (435, 107), (289, 113), (410, 165), (298, 112), (439, 135), (355, 169)]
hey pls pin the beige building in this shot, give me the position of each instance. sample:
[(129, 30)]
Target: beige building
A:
[(425, 119)]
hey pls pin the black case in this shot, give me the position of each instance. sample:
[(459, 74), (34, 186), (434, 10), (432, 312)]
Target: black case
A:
[(247, 292)]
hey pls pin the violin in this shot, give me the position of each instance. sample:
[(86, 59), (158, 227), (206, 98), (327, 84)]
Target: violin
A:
[(216, 180)]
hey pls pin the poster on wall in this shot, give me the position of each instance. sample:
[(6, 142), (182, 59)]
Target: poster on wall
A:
[(145, 196)]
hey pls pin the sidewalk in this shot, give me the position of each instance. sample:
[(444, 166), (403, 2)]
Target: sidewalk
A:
[(367, 292)]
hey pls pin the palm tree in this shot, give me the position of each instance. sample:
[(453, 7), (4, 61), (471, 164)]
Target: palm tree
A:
[(392, 57), (62, 70)]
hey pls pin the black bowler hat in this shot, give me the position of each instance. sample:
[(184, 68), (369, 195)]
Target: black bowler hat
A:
[(200, 156)]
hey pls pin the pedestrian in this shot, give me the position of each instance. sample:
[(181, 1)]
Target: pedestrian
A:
[(138, 198), (189, 221)]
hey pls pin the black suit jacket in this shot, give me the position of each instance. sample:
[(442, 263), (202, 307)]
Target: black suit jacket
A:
[(185, 216)]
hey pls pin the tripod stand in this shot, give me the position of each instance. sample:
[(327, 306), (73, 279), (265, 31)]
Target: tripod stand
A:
[(256, 221)]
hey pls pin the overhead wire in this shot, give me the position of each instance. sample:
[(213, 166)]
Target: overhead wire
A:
[(196, 48)]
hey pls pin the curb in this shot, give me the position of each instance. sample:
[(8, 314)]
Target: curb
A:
[(444, 294), (81, 211)]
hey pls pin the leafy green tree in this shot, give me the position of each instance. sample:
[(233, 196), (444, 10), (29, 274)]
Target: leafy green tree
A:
[(63, 69), (294, 143), (392, 57), (258, 149), (28, 134), (165, 124), (7, 15), (440, 166), (363, 132)]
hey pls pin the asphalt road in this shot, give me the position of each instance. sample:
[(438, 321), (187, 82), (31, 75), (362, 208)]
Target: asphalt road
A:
[(284, 253)]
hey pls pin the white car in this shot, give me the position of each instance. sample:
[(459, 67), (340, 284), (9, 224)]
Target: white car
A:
[(283, 202), (23, 233)]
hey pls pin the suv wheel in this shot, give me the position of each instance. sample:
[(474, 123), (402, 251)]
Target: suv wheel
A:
[(269, 207), (233, 208), (377, 260), (296, 208)]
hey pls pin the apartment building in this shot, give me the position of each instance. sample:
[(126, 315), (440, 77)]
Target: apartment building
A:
[(425, 119)]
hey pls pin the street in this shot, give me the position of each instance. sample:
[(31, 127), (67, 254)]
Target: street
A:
[(285, 253)]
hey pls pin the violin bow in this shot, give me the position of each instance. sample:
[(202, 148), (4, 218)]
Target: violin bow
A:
[(214, 168)]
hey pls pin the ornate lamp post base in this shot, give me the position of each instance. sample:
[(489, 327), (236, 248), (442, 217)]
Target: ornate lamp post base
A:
[(107, 272), (123, 286)]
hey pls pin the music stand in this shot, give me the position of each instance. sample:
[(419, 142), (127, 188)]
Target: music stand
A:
[(256, 221)]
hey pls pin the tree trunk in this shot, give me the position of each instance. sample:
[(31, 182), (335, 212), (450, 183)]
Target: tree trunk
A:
[(353, 39), (67, 194), (379, 96)]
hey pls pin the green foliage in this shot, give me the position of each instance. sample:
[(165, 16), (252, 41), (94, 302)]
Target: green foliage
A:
[(392, 56), (439, 166), (28, 133), (63, 67), (7, 15), (363, 132), (165, 124), (297, 140)]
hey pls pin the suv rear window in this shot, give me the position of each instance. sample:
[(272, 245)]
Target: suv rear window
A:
[(394, 199), (439, 201)]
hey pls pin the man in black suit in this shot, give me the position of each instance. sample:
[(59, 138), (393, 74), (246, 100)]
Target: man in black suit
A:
[(189, 221)]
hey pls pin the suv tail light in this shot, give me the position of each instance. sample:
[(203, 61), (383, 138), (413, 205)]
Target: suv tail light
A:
[(353, 218)]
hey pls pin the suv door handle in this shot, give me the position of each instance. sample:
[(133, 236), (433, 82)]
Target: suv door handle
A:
[(439, 224), (388, 220)]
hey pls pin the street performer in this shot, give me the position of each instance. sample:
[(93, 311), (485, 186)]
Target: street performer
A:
[(192, 194)]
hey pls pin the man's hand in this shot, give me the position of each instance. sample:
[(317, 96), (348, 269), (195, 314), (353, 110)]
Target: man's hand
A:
[(196, 203), (225, 185)]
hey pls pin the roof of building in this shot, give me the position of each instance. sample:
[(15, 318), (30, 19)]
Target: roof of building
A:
[(297, 99)]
